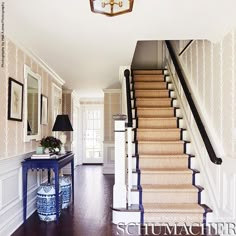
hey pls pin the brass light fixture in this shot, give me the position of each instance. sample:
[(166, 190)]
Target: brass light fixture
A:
[(111, 7)]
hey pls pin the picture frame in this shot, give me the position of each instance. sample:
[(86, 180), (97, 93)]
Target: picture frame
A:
[(15, 100), (44, 109)]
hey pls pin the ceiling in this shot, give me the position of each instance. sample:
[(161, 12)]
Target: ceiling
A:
[(86, 49)]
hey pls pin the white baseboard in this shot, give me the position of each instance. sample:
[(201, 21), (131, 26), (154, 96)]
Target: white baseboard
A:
[(11, 204), (13, 223)]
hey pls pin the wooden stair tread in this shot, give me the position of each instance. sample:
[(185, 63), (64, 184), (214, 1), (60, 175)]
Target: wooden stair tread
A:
[(158, 130), (153, 99), (162, 142), (166, 170), (153, 108), (162, 156), (152, 90), (150, 81), (148, 72), (158, 118), (175, 207)]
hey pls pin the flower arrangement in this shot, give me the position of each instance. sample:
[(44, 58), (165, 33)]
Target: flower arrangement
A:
[(53, 144)]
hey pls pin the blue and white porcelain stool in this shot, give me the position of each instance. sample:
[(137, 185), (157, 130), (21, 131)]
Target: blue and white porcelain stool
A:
[(46, 202), (65, 184)]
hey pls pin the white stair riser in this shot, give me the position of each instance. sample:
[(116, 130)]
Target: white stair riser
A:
[(134, 163), (132, 94), (166, 72), (172, 94), (179, 113), (170, 86), (133, 149), (132, 103), (175, 103), (135, 197), (168, 79)]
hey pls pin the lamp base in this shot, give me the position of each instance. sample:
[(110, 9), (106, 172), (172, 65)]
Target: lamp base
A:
[(63, 140), (63, 151)]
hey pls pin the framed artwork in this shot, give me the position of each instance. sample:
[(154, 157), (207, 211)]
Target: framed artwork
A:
[(15, 100), (44, 110)]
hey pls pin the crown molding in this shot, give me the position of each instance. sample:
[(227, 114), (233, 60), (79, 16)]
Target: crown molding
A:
[(37, 59), (112, 90)]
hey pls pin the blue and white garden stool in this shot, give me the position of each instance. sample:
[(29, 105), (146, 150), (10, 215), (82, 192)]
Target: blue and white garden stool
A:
[(46, 202), (65, 185)]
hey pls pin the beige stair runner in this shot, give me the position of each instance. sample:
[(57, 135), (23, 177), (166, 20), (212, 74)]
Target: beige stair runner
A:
[(167, 191)]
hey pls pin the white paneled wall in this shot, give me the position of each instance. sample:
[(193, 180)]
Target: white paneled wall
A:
[(210, 72), (11, 210)]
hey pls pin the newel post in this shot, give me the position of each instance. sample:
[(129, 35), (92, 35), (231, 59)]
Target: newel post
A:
[(119, 188)]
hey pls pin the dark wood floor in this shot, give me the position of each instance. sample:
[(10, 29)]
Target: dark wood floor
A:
[(90, 215)]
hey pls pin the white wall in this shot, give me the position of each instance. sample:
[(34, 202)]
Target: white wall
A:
[(210, 71)]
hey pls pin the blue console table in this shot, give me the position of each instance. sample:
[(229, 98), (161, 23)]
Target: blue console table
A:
[(54, 164)]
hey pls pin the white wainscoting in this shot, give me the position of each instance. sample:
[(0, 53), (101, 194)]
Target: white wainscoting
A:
[(109, 154), (11, 206), (219, 181)]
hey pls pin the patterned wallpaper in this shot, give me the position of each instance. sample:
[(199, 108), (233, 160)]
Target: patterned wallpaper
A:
[(211, 72), (112, 106), (11, 138)]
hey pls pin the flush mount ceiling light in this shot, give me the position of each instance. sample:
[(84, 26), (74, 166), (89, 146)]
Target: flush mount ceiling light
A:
[(111, 7)]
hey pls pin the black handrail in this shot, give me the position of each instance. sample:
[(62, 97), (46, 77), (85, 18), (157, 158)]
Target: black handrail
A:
[(206, 140), (186, 47), (128, 96)]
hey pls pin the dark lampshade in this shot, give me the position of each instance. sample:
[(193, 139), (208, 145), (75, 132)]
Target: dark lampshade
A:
[(62, 123)]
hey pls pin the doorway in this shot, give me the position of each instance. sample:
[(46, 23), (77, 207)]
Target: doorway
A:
[(93, 134)]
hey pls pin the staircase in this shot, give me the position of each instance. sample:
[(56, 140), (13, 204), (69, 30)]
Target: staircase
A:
[(165, 179)]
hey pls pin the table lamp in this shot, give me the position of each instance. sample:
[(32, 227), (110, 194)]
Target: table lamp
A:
[(63, 124)]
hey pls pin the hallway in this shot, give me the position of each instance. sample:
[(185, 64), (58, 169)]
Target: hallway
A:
[(90, 215)]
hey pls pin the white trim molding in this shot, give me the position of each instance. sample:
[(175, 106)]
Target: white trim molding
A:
[(39, 61), (11, 206)]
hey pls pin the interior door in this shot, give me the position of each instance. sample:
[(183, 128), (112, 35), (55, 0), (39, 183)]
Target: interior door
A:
[(93, 134)]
